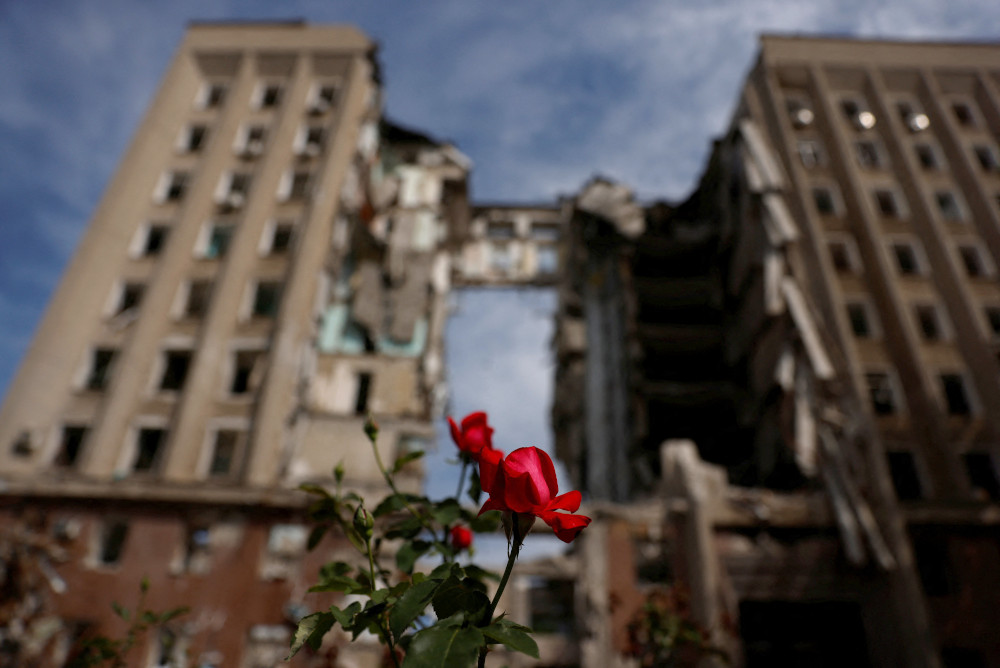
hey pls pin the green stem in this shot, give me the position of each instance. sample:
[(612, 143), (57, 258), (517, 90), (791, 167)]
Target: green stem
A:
[(392, 485), (518, 539), (371, 585)]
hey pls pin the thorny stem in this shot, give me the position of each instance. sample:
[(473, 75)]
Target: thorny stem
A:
[(371, 585), (373, 439), (511, 558)]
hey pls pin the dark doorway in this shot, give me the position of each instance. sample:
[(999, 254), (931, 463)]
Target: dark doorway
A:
[(806, 634)]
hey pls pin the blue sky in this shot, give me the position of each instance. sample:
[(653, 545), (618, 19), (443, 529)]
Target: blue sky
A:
[(541, 95)]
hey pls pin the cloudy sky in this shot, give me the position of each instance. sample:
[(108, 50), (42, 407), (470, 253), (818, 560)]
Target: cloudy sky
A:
[(540, 94)]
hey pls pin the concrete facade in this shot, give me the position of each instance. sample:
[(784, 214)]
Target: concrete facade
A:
[(266, 268), (817, 319)]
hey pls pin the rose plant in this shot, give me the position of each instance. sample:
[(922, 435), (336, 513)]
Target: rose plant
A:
[(463, 627)]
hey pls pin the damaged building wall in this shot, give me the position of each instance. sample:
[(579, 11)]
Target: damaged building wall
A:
[(509, 245)]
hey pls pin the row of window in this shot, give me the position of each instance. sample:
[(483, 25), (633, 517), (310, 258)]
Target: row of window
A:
[(858, 114), (980, 469), (263, 300), (908, 256), (870, 154), (885, 399), (250, 140), (174, 365), (889, 203), (269, 95), (928, 317), (233, 188), (214, 239)]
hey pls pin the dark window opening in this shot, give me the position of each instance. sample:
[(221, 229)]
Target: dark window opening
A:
[(551, 605), (818, 634), (70, 446), (963, 114), (364, 388), (930, 324), (840, 256), (218, 241), (245, 371), (266, 299), (113, 537), (886, 203), (962, 657), (199, 293), (131, 296), (868, 154), (906, 259), (281, 241), (23, 447), (196, 138), (176, 187), (947, 204), (215, 96), (824, 201), (327, 94), (147, 448), (905, 478), (973, 262), (955, 394), (299, 188), (175, 369), (100, 369), (224, 452), (926, 156), (858, 316), (156, 238), (987, 158), (271, 96), (982, 474), (993, 318), (881, 394), (934, 566)]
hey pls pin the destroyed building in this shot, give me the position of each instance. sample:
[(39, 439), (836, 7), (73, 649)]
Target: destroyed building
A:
[(266, 267), (779, 394), (797, 365)]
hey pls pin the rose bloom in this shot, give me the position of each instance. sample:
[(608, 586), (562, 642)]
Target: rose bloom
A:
[(525, 483), (461, 538), (474, 435)]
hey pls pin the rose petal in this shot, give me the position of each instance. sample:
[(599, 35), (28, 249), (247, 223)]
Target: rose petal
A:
[(456, 434), (489, 467), (569, 501), (566, 526), (527, 471), (491, 504)]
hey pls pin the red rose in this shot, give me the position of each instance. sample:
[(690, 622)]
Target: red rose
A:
[(525, 483), (474, 435), (461, 538)]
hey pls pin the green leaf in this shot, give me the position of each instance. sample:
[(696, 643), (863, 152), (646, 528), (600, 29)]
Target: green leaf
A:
[(315, 536), (171, 614), (475, 488), (408, 554), (334, 577), (446, 512), (407, 529), (488, 522), (311, 629), (410, 606), (513, 636), (453, 596), (346, 617), (313, 488), (444, 647), (120, 610), (394, 502), (481, 574), (406, 459), (444, 571)]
